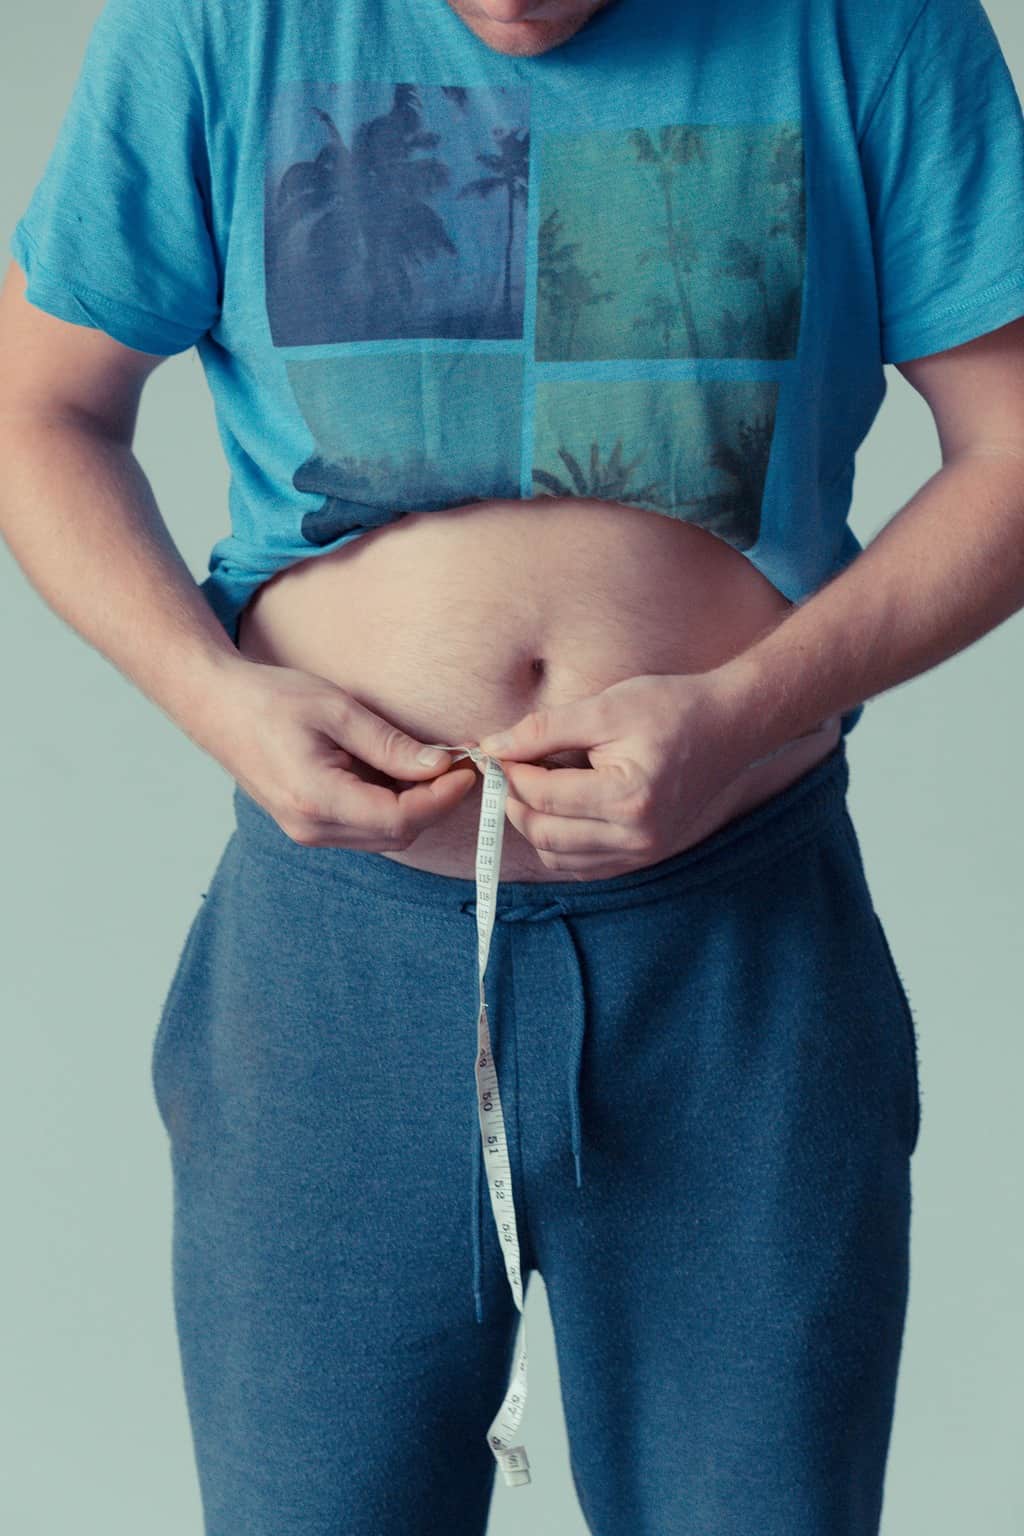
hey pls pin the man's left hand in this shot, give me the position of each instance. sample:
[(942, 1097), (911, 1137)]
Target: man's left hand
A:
[(661, 747)]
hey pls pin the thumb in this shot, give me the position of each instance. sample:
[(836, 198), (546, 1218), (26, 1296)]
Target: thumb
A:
[(542, 731)]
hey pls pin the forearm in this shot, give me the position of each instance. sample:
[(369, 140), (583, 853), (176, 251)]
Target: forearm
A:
[(80, 518), (946, 569)]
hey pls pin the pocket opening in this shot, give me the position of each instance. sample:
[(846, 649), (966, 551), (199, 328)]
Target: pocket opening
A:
[(166, 1033), (910, 1033)]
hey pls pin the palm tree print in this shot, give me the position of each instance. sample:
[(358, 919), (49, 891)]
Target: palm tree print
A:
[(364, 236), (786, 172), (677, 144), (697, 450), (509, 173), (364, 493), (608, 481), (780, 302), (734, 514), (747, 264), (369, 206), (405, 429), (711, 216), (660, 315), (564, 288)]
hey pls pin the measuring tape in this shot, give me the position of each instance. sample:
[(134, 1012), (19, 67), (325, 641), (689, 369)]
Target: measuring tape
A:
[(512, 1459)]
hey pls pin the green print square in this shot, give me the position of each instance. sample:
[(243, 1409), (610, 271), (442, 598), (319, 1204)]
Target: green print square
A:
[(410, 431), (681, 241), (692, 449)]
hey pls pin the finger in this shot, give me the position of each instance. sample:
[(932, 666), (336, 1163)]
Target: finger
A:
[(592, 793), (579, 837), (425, 802), (373, 811), (374, 740), (580, 723), (570, 868)]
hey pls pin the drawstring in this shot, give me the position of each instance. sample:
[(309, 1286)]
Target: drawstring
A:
[(528, 914)]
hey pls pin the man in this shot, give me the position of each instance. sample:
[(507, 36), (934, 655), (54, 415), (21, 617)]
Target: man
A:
[(458, 248)]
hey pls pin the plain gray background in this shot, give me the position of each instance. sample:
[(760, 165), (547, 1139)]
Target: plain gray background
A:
[(113, 824)]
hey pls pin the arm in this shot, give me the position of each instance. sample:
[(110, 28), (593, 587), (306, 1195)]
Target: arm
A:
[(946, 569), (79, 515)]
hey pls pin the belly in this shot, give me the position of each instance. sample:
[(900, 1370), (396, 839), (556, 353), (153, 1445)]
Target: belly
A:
[(452, 624)]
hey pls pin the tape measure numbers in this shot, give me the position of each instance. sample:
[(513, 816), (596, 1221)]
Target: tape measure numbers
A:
[(511, 1458)]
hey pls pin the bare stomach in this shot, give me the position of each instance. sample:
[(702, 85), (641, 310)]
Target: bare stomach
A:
[(452, 624)]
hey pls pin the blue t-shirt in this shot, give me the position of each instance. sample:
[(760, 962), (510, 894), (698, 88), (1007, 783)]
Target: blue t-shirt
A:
[(662, 263)]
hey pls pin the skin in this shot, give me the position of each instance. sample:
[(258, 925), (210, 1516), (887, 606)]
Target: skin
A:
[(526, 28)]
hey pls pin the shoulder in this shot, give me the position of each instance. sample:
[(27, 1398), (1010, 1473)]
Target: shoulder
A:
[(870, 39), (193, 38), (193, 21)]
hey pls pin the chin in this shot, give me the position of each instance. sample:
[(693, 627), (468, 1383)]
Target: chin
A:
[(523, 38), (527, 47)]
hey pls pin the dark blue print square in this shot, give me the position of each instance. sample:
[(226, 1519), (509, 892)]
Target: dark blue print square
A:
[(394, 211)]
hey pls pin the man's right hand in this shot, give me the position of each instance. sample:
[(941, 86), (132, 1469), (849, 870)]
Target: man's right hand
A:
[(321, 763)]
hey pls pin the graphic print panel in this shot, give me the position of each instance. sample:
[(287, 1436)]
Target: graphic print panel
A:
[(691, 449), (406, 432), (681, 241), (395, 211)]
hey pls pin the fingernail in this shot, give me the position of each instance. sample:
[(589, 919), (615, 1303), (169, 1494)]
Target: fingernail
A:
[(428, 756), (494, 744)]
